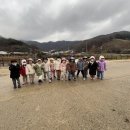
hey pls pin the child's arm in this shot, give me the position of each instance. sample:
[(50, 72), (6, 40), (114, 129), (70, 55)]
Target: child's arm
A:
[(10, 67)]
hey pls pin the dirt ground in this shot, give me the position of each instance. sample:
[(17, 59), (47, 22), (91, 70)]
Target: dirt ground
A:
[(64, 105)]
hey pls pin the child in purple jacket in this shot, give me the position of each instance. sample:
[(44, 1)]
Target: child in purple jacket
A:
[(101, 67)]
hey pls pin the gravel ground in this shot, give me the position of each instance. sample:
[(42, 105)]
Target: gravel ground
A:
[(64, 105)]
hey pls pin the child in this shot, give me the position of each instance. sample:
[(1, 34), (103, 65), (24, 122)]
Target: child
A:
[(15, 73), (92, 66), (71, 69), (31, 70), (63, 69), (23, 71), (57, 67), (101, 67), (39, 70), (85, 67), (46, 69), (51, 70), (80, 67)]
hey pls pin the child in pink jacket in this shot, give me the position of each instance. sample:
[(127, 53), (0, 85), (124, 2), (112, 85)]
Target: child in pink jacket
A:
[(63, 69)]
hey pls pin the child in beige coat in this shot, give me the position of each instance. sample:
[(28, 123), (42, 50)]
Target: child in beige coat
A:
[(31, 70)]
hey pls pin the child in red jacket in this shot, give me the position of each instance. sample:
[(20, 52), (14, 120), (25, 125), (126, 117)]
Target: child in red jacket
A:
[(23, 71)]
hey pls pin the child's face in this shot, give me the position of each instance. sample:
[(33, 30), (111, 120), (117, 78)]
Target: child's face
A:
[(85, 59), (30, 62), (14, 63), (102, 59), (92, 60), (39, 62), (80, 59), (51, 61), (45, 61), (24, 63), (58, 59), (64, 61)]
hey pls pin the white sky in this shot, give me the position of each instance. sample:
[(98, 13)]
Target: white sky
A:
[(52, 20)]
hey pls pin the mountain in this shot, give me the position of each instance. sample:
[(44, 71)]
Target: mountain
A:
[(12, 45), (114, 43), (58, 45), (104, 43), (117, 42)]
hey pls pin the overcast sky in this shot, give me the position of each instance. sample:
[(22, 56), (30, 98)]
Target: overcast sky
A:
[(51, 20)]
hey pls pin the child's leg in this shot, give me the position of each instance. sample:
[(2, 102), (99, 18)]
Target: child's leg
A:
[(69, 75), (30, 78), (98, 74), (50, 76), (82, 71), (18, 81), (73, 75), (33, 76), (40, 78), (45, 75), (14, 83), (59, 74), (102, 75), (92, 76), (23, 80), (78, 73), (54, 74), (85, 74), (62, 75), (26, 79)]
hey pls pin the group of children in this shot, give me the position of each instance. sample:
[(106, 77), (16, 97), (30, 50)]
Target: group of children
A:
[(60, 69)]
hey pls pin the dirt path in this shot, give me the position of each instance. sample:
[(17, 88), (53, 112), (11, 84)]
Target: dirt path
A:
[(80, 105)]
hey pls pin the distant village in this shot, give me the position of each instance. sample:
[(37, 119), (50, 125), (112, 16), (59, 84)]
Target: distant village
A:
[(44, 53)]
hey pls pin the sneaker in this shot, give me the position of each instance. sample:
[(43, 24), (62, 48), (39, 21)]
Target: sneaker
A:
[(40, 81), (50, 81), (19, 86)]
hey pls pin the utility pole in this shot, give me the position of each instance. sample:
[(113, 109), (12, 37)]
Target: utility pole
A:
[(101, 48)]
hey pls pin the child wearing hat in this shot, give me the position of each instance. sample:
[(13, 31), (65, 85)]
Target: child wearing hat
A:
[(15, 73), (51, 70), (92, 66), (71, 69), (80, 67), (39, 70), (63, 69), (24, 71), (46, 69), (57, 67), (101, 67), (85, 67), (31, 70)]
